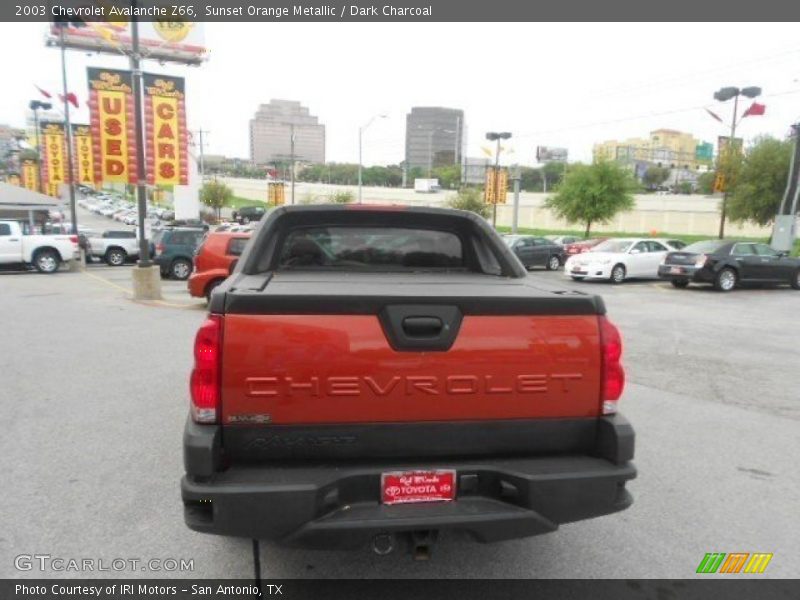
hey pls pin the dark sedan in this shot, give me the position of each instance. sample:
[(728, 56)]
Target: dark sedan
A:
[(726, 264), (535, 251)]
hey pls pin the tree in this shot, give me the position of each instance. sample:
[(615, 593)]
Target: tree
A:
[(655, 176), (215, 194), (470, 199), (705, 182), (449, 176), (761, 181), (593, 193)]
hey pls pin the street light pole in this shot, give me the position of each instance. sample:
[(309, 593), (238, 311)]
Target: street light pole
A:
[(495, 136), (722, 95), (68, 133), (35, 105), (361, 131), (141, 175)]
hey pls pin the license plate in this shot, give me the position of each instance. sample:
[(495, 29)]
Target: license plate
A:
[(406, 487), (676, 270), (576, 269)]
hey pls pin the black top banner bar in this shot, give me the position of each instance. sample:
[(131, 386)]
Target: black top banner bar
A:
[(411, 11)]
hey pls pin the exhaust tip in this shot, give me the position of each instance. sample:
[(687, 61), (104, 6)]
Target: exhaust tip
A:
[(383, 543)]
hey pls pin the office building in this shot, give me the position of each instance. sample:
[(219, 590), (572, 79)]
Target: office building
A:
[(271, 131), (434, 137)]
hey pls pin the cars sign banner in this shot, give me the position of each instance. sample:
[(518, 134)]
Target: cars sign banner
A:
[(84, 155), (54, 157), (165, 130), (112, 125)]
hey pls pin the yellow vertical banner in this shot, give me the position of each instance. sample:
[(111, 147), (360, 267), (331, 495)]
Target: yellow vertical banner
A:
[(165, 130), (54, 157), (84, 155), (30, 175), (111, 108)]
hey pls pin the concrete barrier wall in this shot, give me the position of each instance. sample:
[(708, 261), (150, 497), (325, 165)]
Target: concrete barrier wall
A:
[(678, 214)]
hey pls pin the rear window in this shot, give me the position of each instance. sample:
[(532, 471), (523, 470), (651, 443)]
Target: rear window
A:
[(705, 247), (236, 246), (356, 248)]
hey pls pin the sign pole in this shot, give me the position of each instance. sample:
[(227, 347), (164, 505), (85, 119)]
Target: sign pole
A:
[(141, 175), (68, 135)]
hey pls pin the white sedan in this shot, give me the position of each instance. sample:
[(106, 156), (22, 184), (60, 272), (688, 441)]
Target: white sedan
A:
[(620, 259)]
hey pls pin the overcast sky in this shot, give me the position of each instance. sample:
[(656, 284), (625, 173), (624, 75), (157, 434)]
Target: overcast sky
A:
[(549, 84)]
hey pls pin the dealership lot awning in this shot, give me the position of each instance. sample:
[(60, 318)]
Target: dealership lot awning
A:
[(15, 198)]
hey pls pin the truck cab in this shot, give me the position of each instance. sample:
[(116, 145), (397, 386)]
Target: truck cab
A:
[(45, 253)]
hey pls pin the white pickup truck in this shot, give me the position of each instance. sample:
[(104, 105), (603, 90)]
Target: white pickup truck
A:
[(45, 252), (115, 247)]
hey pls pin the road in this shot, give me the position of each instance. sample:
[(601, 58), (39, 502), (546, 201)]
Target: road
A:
[(94, 397)]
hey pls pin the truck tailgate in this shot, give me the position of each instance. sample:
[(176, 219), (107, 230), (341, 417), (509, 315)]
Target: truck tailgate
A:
[(348, 365)]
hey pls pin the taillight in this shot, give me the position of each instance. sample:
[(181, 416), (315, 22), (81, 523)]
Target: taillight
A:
[(700, 261), (613, 375), (159, 248), (73, 239), (207, 372)]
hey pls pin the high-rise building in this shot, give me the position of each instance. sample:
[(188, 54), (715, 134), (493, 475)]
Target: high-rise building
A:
[(271, 131), (434, 137)]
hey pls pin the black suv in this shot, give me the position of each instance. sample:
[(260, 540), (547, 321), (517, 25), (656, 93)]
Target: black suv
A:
[(174, 250), (249, 213)]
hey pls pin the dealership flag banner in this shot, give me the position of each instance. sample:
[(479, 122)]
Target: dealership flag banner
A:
[(30, 175), (54, 157), (112, 125), (84, 155), (165, 130)]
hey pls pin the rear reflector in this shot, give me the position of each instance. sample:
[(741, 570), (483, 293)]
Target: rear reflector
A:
[(613, 375), (206, 375)]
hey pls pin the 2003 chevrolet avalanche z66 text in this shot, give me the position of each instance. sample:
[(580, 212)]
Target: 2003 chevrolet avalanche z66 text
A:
[(374, 373)]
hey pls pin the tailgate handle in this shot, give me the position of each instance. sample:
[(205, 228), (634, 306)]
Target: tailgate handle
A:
[(419, 327)]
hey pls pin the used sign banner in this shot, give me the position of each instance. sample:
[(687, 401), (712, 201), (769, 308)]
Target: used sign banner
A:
[(112, 125)]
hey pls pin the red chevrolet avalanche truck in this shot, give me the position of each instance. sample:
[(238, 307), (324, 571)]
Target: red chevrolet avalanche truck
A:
[(369, 374)]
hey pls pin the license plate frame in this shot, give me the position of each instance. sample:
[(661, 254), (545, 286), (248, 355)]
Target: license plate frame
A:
[(676, 270), (418, 486)]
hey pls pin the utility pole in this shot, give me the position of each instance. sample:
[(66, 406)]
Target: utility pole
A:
[(291, 126), (202, 157), (141, 175), (68, 133)]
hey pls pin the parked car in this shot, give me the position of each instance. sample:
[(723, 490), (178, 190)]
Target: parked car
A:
[(535, 251), (582, 246), (343, 394), (174, 250), (728, 263), (245, 214), (619, 259), (115, 247), (44, 252), (213, 260)]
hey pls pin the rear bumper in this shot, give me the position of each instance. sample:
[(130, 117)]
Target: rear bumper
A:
[(336, 504), (687, 273)]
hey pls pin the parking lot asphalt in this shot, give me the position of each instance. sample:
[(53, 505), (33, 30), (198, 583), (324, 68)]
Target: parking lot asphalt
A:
[(94, 397)]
